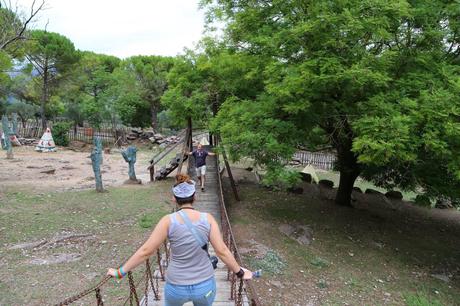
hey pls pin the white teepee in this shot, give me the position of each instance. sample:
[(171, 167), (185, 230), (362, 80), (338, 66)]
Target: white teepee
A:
[(310, 170), (46, 143), (204, 141)]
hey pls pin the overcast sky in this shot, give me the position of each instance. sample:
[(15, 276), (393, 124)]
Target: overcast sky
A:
[(124, 28)]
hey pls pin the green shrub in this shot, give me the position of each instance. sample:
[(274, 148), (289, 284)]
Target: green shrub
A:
[(61, 133), (146, 221), (420, 300)]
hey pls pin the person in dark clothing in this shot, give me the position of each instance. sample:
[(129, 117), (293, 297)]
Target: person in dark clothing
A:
[(200, 155)]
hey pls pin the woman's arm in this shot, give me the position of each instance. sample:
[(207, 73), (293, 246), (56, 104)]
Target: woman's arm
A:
[(222, 250), (159, 234)]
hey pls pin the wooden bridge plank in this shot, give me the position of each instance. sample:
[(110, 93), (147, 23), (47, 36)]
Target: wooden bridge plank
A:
[(207, 201)]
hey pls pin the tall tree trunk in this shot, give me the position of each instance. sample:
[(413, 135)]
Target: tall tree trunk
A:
[(154, 107), (347, 180), (347, 164), (44, 95)]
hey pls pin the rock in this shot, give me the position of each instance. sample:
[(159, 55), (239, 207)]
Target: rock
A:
[(158, 136), (276, 283), (295, 190), (49, 171), (306, 177), (443, 203), (393, 194), (372, 191), (301, 233), (131, 137), (326, 183), (55, 259), (442, 277), (147, 134), (357, 189), (152, 139), (378, 245), (136, 131), (286, 229)]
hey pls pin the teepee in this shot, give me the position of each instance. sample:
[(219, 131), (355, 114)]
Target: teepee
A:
[(204, 141), (310, 170), (46, 143)]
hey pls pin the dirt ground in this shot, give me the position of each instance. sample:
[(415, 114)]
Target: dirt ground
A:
[(72, 169), (378, 253)]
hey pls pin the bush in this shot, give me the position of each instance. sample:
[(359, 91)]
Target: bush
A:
[(61, 133)]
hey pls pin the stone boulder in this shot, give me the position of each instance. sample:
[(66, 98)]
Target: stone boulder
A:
[(303, 234), (372, 191), (326, 183), (306, 177), (357, 189), (393, 194), (295, 190)]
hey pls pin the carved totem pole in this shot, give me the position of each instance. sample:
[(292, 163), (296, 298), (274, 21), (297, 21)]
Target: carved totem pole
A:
[(130, 157), (96, 159)]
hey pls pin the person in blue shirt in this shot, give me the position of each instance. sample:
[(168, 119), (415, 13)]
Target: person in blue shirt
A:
[(200, 155)]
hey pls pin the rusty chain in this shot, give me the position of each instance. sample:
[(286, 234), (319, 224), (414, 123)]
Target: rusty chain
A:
[(100, 302), (132, 290), (149, 279), (84, 293)]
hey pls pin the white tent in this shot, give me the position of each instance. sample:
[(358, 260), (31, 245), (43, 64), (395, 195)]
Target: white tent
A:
[(310, 170), (204, 141), (46, 143)]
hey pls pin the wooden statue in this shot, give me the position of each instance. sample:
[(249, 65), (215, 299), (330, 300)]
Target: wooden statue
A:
[(6, 142), (130, 157), (96, 159)]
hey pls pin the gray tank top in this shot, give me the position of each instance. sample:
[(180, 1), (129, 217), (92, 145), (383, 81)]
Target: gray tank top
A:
[(189, 263)]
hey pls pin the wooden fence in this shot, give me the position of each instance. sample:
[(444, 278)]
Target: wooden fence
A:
[(108, 133), (321, 160)]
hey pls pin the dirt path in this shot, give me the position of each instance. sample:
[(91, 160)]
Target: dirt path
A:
[(72, 170)]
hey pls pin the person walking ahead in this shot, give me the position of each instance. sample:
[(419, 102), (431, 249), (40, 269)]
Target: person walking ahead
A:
[(200, 155), (190, 274)]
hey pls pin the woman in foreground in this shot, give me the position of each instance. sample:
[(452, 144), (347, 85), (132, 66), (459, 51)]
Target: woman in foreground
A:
[(190, 274)]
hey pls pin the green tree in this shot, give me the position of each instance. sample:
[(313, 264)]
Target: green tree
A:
[(200, 82), (14, 24), (377, 80), (24, 110), (53, 57), (149, 73), (95, 79)]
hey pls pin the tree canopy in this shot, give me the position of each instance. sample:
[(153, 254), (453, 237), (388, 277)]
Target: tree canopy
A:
[(376, 80)]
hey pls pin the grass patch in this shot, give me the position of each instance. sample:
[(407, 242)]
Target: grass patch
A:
[(418, 299), (365, 256), (117, 221), (147, 221), (319, 262), (271, 263)]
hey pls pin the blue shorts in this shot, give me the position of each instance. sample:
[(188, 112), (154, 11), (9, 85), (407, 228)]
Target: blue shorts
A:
[(201, 294)]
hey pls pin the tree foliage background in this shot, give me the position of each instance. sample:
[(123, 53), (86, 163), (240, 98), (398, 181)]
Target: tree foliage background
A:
[(376, 81)]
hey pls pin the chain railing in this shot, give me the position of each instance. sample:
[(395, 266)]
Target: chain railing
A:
[(239, 287), (150, 280)]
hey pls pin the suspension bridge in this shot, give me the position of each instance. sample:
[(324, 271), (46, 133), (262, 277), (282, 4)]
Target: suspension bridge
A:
[(148, 290)]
